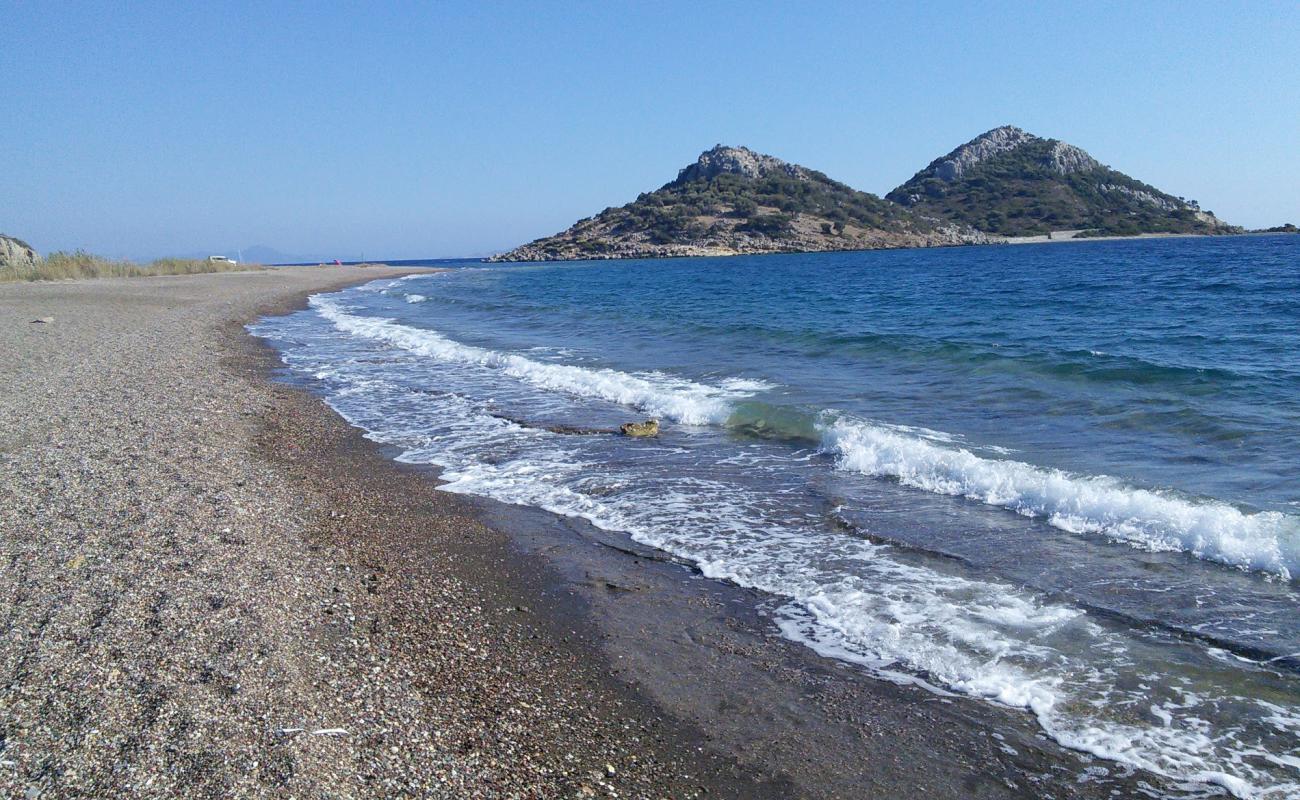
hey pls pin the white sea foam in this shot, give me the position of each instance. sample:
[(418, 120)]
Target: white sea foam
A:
[(1266, 542), (654, 393), (966, 636), (746, 386), (906, 623), (415, 298)]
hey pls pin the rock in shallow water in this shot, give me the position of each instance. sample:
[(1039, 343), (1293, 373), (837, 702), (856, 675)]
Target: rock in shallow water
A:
[(648, 428)]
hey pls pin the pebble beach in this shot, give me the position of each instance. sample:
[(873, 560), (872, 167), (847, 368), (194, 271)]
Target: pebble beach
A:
[(212, 587)]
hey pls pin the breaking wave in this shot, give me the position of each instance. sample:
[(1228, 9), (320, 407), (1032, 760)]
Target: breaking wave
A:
[(654, 393), (1266, 541)]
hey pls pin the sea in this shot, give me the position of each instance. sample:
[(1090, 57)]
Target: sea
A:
[(1058, 478)]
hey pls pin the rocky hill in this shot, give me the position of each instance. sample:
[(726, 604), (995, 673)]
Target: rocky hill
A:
[(16, 253), (1013, 183), (733, 201)]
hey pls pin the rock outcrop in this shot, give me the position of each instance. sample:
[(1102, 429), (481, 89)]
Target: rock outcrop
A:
[(15, 253), (646, 429), (978, 150), (1013, 183), (1066, 158), (735, 201), (739, 161)]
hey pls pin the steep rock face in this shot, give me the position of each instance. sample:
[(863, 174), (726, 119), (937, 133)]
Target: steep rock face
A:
[(1010, 182), (733, 201), (965, 158), (1066, 158), (16, 253)]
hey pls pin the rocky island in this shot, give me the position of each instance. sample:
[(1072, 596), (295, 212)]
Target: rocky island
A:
[(998, 187), (734, 201), (1012, 183)]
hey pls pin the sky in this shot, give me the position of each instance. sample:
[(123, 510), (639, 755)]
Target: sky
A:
[(446, 129)]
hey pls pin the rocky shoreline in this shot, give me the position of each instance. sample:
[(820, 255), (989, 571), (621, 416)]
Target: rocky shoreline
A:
[(570, 246)]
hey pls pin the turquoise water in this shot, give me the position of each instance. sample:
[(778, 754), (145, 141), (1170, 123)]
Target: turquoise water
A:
[(1060, 478)]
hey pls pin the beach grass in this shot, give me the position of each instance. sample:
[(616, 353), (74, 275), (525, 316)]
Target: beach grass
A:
[(80, 264)]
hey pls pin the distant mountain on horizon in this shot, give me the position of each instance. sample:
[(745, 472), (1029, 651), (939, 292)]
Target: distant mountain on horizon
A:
[(254, 254), (1012, 183), (262, 254), (733, 200)]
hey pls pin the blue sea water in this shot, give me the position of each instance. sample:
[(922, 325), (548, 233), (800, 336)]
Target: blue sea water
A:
[(1061, 478)]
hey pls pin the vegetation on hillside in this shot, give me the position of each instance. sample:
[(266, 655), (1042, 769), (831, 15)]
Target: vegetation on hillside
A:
[(80, 264), (786, 208), (1019, 193), (766, 205)]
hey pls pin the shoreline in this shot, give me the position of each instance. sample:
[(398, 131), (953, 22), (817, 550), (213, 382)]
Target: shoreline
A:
[(214, 588), (1051, 238), (705, 652), (524, 610), (996, 242), (194, 592)]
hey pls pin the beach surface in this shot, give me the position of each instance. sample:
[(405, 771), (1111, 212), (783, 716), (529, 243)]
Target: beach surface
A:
[(214, 587), (196, 606), (1056, 237)]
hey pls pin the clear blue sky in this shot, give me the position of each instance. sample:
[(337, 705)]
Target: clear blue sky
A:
[(454, 128)]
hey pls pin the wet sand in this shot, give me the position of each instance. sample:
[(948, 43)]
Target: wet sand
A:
[(212, 586)]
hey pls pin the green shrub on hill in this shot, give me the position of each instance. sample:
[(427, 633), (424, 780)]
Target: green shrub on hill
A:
[(773, 225)]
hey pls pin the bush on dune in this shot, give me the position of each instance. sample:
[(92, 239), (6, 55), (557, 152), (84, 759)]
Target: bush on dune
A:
[(80, 264)]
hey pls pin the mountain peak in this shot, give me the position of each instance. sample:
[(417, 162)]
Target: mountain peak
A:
[(742, 161), (1060, 157)]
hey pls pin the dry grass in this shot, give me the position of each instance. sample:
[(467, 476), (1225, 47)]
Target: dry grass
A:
[(80, 264)]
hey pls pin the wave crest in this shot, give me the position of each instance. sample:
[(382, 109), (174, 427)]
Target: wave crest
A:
[(658, 394), (1265, 542)]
